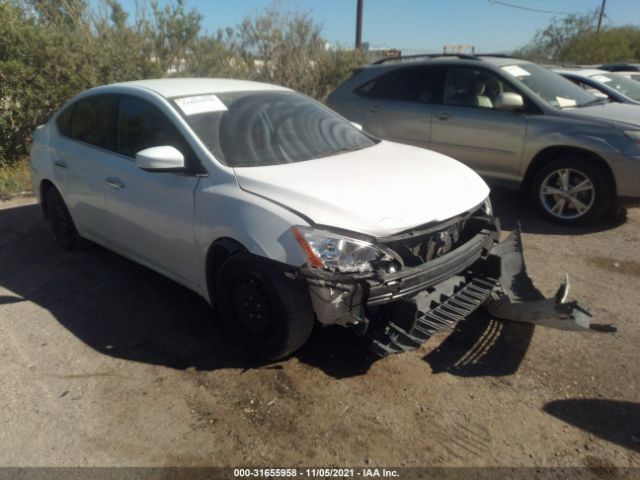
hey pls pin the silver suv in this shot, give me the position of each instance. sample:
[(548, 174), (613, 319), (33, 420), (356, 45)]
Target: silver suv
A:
[(514, 122)]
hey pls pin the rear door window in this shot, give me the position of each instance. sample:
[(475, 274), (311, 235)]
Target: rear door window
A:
[(91, 121)]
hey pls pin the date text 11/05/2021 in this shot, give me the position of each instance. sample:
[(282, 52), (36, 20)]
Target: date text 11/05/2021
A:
[(316, 472)]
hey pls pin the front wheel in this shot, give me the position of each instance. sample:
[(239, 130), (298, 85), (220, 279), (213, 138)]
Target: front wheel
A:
[(266, 311), (572, 191)]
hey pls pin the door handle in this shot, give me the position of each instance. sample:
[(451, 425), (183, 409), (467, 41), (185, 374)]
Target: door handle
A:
[(115, 182), (374, 109), (59, 163), (443, 116)]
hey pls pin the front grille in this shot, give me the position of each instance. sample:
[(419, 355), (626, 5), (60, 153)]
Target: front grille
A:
[(422, 245)]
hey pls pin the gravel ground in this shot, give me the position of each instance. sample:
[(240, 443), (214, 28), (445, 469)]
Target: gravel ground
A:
[(107, 363)]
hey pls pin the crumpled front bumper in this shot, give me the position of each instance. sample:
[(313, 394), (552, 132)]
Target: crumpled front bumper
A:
[(400, 312)]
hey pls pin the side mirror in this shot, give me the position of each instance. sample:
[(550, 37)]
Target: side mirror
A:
[(160, 159), (357, 125), (508, 101)]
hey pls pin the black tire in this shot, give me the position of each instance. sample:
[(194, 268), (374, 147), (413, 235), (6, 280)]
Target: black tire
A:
[(269, 313), (64, 230), (565, 208)]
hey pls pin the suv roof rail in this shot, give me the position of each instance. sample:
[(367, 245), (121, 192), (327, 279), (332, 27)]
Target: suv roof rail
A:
[(463, 56), (499, 55)]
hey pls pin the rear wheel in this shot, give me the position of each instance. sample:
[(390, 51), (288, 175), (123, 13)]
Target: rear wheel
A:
[(61, 222), (267, 312), (572, 191)]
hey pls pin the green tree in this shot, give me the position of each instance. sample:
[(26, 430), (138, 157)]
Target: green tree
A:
[(121, 51), (173, 31), (333, 67), (42, 63), (620, 44), (51, 50), (574, 39), (286, 46), (550, 44), (219, 56)]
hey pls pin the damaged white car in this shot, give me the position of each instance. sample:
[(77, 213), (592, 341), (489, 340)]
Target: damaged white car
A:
[(281, 213)]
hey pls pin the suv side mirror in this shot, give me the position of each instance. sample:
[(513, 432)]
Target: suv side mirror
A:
[(160, 159), (508, 101)]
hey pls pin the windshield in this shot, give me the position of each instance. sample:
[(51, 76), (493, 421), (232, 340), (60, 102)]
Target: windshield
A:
[(635, 76), (626, 86), (550, 87), (251, 129)]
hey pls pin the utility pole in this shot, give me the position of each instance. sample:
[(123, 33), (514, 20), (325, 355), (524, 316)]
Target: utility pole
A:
[(359, 25), (601, 15)]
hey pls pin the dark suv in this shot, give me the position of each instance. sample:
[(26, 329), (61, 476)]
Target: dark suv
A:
[(513, 121)]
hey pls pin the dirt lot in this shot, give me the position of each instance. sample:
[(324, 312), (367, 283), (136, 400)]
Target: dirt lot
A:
[(107, 363)]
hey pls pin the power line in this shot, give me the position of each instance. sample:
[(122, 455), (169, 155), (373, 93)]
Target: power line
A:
[(529, 9)]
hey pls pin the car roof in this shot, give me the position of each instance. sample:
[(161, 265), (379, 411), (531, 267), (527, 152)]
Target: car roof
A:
[(631, 66), (582, 72), (493, 59), (177, 87)]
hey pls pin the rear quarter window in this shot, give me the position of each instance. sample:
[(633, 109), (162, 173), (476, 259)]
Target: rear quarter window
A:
[(63, 121), (405, 84)]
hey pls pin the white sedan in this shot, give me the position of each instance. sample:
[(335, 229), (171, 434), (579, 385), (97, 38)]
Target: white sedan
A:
[(616, 87), (274, 208)]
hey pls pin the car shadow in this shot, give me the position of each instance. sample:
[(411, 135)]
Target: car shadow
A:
[(480, 346), (513, 207), (114, 305), (127, 311), (612, 420)]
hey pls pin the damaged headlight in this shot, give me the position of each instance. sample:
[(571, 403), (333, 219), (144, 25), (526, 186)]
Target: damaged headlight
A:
[(337, 253)]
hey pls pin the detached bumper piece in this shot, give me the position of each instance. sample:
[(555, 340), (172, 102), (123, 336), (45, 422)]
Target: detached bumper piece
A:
[(517, 298), (498, 281)]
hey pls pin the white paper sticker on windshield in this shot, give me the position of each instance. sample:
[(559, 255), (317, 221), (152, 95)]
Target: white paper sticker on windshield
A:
[(601, 78), (566, 102), (516, 70), (200, 104)]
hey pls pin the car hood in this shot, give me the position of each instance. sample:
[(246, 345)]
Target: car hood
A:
[(379, 191), (618, 112)]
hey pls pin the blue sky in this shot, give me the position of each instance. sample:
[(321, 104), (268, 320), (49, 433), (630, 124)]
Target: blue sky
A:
[(419, 25)]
